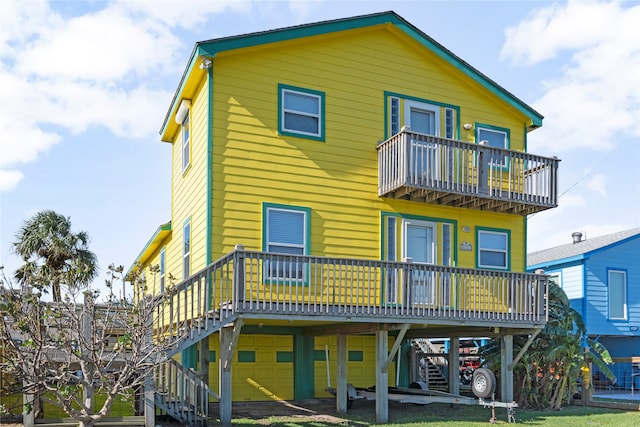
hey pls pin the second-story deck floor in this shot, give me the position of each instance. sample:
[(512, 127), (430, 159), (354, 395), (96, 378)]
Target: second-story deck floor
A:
[(436, 170)]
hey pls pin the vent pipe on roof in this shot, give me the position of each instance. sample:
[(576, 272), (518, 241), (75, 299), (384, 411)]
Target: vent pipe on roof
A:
[(577, 237)]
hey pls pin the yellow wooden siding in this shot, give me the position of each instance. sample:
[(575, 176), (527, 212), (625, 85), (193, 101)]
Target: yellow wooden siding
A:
[(264, 379), (359, 373), (336, 179), (189, 191)]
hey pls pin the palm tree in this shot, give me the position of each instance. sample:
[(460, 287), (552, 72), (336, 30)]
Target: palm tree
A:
[(546, 374), (53, 255)]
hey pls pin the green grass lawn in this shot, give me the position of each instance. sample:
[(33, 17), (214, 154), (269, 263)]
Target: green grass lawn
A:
[(436, 415)]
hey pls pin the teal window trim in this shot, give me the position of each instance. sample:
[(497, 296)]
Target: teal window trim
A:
[(387, 113), (246, 356), (437, 220), (383, 241), (507, 143), (320, 135), (321, 355), (212, 356), (266, 207), (625, 295), (507, 233), (284, 356), (186, 248), (355, 356)]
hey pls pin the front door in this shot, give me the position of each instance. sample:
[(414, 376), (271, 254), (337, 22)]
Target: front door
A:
[(423, 119), (420, 246)]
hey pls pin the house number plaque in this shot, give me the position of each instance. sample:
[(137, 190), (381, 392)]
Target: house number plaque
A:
[(465, 246)]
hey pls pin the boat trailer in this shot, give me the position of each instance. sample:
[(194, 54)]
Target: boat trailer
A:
[(483, 386)]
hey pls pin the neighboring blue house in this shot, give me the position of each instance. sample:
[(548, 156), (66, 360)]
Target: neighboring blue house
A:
[(601, 277)]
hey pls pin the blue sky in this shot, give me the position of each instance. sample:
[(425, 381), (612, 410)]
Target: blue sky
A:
[(85, 85)]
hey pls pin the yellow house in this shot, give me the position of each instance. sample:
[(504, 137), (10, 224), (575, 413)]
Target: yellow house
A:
[(339, 188)]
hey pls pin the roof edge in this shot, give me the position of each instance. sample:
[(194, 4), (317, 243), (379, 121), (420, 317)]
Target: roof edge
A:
[(160, 234), (210, 48)]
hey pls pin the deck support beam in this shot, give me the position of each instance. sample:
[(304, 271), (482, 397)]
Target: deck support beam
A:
[(382, 377), (228, 341), (506, 368), (396, 346), (454, 365), (524, 348), (341, 379)]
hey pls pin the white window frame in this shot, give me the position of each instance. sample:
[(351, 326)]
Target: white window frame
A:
[(505, 251), (269, 269), (284, 91), (624, 295), (498, 161), (185, 127), (186, 249), (435, 109)]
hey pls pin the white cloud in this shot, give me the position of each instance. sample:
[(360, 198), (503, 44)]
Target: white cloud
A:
[(100, 68), (104, 46), (596, 98), (183, 14), (9, 179), (598, 184)]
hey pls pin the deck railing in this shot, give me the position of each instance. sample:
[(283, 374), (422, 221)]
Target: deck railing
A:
[(268, 285), (457, 173), (182, 393)]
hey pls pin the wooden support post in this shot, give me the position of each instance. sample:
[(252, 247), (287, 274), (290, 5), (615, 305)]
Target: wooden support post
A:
[(454, 365), (341, 379), (506, 368), (382, 377), (204, 369), (228, 341), (149, 405), (225, 376)]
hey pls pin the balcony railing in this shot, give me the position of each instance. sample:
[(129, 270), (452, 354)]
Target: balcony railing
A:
[(443, 171), (295, 287)]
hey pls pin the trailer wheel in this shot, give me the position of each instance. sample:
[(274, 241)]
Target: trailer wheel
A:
[(483, 383)]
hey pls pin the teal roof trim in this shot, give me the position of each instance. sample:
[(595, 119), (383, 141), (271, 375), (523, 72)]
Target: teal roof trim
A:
[(161, 231), (209, 48)]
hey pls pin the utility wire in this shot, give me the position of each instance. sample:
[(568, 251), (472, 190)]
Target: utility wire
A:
[(586, 174)]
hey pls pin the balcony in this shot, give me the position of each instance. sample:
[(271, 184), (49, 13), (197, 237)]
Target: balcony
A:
[(436, 170), (289, 288)]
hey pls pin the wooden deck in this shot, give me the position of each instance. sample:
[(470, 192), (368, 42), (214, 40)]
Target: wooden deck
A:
[(259, 285), (442, 171)]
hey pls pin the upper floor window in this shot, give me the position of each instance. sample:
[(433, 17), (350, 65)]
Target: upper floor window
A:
[(617, 290), (183, 119), (301, 112), (186, 143), (493, 249), (186, 254), (286, 232), (495, 137)]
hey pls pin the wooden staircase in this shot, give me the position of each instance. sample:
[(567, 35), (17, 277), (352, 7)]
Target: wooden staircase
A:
[(431, 365), (182, 394)]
